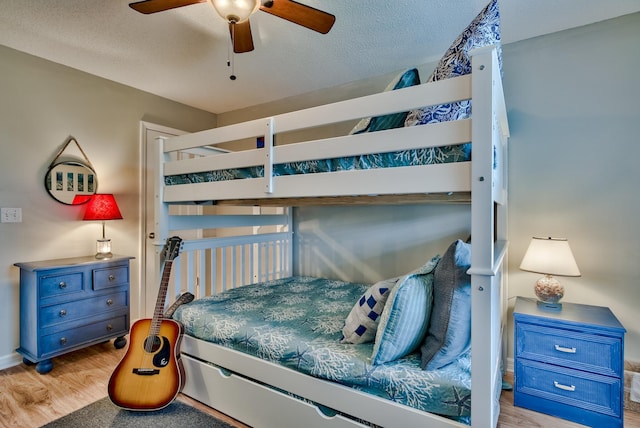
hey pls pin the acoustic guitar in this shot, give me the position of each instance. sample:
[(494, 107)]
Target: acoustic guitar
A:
[(150, 375)]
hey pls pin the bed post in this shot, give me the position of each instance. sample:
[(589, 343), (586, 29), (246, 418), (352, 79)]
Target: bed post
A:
[(489, 239)]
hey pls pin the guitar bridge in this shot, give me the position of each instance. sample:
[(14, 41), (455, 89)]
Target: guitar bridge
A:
[(146, 372)]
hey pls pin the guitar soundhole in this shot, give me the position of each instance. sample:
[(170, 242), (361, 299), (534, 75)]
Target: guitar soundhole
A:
[(152, 343)]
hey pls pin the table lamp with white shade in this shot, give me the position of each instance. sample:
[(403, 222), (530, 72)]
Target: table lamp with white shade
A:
[(550, 256)]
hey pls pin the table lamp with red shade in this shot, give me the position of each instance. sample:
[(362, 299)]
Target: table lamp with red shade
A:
[(102, 206)]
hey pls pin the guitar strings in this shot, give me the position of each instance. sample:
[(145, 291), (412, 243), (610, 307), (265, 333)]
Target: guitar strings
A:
[(155, 324)]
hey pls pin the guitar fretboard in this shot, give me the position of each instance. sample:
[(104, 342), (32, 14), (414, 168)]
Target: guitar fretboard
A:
[(162, 295)]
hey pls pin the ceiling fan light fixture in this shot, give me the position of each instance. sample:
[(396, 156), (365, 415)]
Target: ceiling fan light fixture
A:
[(235, 11)]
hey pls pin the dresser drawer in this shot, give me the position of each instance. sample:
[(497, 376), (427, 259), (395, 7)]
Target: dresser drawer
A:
[(110, 277), (569, 387), (68, 339), (583, 351), (70, 311), (56, 285)]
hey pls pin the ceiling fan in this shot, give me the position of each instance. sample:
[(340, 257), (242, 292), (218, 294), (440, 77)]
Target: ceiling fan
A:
[(237, 13)]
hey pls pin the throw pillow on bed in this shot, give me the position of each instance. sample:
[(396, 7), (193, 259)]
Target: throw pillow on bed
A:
[(450, 324), (362, 322), (405, 317), (484, 30), (394, 120)]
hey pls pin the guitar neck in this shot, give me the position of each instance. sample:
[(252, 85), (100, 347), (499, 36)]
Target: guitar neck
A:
[(162, 296)]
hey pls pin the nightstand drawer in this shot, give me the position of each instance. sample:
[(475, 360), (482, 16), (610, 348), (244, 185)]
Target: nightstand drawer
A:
[(69, 311), (583, 351), (562, 386), (110, 277), (55, 285), (68, 339)]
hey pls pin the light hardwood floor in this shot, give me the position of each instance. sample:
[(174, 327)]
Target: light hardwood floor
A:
[(28, 399)]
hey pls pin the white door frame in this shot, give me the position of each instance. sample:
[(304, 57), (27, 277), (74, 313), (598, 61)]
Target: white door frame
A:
[(148, 134)]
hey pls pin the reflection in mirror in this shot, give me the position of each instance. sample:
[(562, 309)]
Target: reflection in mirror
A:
[(71, 183)]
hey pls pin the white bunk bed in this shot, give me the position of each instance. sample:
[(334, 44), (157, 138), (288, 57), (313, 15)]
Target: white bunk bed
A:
[(241, 385)]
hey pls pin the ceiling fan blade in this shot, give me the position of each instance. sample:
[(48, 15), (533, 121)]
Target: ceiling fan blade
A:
[(153, 6), (300, 14), (241, 36)]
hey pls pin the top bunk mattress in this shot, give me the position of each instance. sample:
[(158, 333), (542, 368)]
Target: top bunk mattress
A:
[(297, 322), (426, 156)]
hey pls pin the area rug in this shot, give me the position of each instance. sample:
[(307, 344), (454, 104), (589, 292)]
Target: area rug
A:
[(104, 414)]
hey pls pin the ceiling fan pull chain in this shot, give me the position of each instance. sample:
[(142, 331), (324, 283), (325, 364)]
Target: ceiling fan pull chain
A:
[(230, 52)]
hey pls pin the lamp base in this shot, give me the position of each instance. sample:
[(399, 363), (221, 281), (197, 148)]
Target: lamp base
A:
[(549, 292), (101, 256), (549, 306), (103, 249)]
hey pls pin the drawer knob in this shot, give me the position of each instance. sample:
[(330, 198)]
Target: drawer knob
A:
[(63, 340), (63, 312), (109, 302), (565, 349), (558, 385), (109, 327), (62, 284), (112, 278)]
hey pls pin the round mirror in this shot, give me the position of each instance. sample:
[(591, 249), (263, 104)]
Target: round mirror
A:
[(71, 182)]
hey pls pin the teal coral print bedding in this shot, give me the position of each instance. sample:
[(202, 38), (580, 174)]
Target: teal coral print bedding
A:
[(297, 322), (428, 156)]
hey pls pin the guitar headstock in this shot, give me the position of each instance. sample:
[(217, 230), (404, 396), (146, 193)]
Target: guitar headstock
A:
[(171, 248)]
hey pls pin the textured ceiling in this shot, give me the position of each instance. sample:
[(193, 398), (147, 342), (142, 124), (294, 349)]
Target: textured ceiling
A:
[(182, 54)]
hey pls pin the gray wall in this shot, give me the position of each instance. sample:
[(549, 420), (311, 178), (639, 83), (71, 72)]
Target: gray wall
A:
[(573, 109), (41, 104)]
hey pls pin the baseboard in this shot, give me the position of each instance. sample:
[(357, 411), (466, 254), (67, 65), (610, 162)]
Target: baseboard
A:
[(10, 360), (509, 368), (630, 368)]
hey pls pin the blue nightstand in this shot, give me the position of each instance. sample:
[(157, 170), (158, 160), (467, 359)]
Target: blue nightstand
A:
[(569, 363)]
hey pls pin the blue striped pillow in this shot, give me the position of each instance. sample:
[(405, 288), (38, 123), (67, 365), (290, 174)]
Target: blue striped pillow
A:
[(405, 317)]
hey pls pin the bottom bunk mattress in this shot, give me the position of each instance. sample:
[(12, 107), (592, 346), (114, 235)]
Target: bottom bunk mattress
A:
[(297, 322)]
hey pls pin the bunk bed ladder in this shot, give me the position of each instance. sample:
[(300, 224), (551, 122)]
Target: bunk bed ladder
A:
[(489, 236)]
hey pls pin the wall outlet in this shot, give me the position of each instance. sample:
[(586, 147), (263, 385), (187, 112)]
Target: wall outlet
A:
[(11, 215)]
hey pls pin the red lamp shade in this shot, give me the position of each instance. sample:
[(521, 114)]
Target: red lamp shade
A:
[(102, 206), (81, 199)]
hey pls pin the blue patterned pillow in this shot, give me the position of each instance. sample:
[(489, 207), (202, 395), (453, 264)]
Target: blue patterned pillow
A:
[(484, 30), (450, 324), (362, 322), (394, 120), (405, 317)]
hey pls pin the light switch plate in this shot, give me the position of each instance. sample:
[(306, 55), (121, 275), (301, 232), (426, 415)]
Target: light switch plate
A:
[(11, 215)]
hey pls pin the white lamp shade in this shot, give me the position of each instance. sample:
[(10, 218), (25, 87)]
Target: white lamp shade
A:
[(551, 256), (235, 10)]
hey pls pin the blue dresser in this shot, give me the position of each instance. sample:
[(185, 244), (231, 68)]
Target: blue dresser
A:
[(569, 363), (67, 304)]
